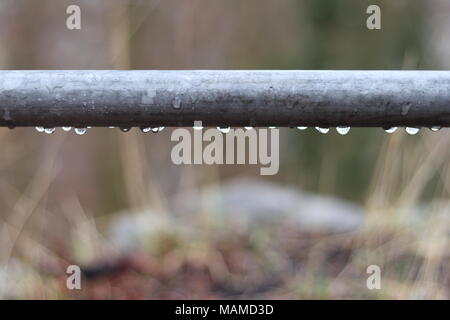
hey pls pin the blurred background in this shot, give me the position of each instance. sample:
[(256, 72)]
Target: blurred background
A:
[(142, 228)]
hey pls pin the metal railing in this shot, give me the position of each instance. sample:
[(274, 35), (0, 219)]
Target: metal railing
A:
[(225, 98)]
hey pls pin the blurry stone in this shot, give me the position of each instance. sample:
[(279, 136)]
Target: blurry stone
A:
[(130, 231), (254, 201), (244, 203)]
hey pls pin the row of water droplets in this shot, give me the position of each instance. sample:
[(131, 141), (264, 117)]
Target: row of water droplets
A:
[(79, 131), (345, 130), (83, 130), (340, 130)]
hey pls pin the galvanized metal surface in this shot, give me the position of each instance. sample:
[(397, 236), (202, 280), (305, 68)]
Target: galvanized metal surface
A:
[(225, 98)]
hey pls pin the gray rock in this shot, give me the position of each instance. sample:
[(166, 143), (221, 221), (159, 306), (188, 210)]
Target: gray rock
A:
[(246, 203), (254, 201)]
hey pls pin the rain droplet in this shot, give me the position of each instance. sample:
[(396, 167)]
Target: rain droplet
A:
[(176, 103), (67, 128), (405, 109), (125, 129), (40, 129), (111, 127), (224, 130), (80, 131), (343, 130), (323, 130), (412, 130), (302, 128), (248, 128), (146, 129), (49, 130), (435, 128), (157, 129), (391, 130), (272, 127)]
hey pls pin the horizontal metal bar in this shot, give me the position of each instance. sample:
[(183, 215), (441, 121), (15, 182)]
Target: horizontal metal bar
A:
[(225, 98)]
